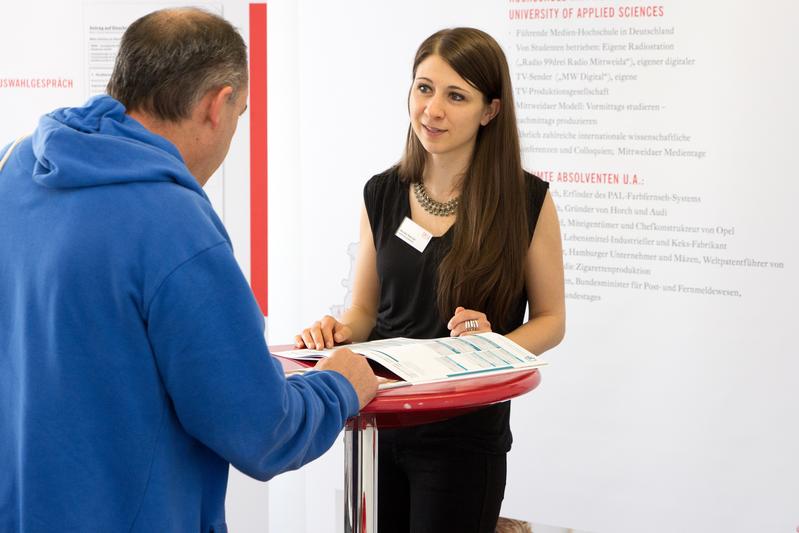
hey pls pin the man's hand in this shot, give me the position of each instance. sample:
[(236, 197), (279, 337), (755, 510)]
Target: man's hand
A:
[(355, 368)]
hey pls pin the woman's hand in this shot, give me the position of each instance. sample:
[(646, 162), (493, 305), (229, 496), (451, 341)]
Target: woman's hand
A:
[(324, 333), (467, 321)]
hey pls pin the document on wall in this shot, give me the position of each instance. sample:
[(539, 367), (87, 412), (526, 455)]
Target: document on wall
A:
[(429, 360)]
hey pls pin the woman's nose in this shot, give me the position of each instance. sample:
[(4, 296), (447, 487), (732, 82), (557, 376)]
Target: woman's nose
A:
[(435, 107)]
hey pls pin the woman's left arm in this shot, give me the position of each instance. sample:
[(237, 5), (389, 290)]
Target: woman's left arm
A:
[(543, 275)]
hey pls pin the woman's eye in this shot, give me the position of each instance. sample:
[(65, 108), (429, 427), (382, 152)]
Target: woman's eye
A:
[(457, 97), (424, 88)]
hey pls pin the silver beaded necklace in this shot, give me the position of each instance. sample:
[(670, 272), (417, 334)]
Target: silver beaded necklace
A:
[(440, 209)]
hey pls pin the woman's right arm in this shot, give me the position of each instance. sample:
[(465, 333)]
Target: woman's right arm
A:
[(357, 322)]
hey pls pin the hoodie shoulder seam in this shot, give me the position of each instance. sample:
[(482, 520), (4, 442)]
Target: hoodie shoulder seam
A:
[(178, 267)]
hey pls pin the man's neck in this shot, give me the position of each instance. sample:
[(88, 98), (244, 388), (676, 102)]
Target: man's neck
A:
[(175, 132)]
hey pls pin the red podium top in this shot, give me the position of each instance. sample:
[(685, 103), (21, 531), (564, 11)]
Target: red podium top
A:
[(430, 402)]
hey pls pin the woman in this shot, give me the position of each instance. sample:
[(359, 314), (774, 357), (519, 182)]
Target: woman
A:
[(495, 251)]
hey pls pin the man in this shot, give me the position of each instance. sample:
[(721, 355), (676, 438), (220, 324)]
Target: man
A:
[(133, 367)]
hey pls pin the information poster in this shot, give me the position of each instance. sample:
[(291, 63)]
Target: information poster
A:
[(666, 131)]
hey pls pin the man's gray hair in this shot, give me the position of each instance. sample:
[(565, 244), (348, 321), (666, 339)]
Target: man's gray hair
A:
[(169, 59)]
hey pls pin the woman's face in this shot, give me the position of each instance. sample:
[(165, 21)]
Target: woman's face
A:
[(446, 111)]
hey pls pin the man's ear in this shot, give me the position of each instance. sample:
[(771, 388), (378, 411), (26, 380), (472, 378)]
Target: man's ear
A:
[(216, 100), (491, 111)]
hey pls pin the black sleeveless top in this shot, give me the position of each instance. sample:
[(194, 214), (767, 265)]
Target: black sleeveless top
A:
[(408, 304)]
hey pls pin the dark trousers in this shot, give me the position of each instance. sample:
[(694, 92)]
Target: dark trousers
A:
[(437, 489)]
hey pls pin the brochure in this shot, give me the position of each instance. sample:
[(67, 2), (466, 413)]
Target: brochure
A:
[(428, 360)]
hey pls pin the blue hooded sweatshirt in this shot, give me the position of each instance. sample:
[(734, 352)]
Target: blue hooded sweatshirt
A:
[(133, 367)]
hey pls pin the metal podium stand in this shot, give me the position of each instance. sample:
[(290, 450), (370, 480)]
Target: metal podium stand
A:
[(409, 406)]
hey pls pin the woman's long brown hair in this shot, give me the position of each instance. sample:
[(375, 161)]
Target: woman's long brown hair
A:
[(484, 269)]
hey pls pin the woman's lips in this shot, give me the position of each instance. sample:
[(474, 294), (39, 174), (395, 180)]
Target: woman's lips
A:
[(433, 131)]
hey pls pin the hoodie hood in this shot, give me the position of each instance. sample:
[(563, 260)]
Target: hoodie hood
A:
[(98, 144)]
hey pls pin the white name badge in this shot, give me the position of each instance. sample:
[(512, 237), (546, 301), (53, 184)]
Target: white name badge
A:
[(414, 234)]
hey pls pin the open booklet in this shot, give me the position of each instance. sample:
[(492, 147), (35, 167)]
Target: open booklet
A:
[(428, 360)]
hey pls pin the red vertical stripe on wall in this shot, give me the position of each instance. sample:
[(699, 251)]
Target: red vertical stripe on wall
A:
[(258, 157)]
